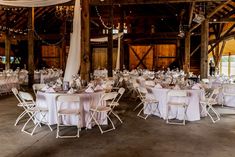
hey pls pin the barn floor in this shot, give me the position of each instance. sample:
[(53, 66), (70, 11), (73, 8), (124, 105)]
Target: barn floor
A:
[(135, 137)]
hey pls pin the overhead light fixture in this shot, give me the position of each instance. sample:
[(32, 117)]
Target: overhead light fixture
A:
[(199, 18)]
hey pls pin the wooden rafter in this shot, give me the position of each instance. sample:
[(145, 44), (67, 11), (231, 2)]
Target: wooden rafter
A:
[(220, 39), (211, 14), (191, 14), (129, 2)]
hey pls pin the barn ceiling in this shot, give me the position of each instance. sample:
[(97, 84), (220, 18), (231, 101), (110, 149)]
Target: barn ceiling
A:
[(167, 17)]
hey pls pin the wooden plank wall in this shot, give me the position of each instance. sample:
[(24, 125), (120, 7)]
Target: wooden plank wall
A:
[(51, 56), (100, 58), (159, 57)]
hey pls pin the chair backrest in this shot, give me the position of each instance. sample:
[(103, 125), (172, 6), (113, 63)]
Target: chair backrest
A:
[(37, 87), (67, 102), (182, 94), (106, 97), (16, 93), (177, 93), (142, 91), (26, 98), (120, 93), (68, 98), (214, 94)]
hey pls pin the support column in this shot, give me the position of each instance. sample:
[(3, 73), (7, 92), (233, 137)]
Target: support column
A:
[(204, 49), (121, 45), (85, 41), (110, 43), (31, 45), (187, 53), (63, 46), (178, 54), (7, 50)]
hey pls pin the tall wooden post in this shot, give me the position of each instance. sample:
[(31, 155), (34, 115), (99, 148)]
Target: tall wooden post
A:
[(204, 49), (63, 46), (178, 54), (7, 50), (187, 53), (121, 45), (7, 42), (85, 40), (110, 43), (31, 45)]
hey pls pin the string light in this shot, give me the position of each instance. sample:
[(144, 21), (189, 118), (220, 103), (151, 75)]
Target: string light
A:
[(101, 20)]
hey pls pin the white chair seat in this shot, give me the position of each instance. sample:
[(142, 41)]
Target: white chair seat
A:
[(177, 104), (37, 109), (68, 111), (113, 104), (100, 109)]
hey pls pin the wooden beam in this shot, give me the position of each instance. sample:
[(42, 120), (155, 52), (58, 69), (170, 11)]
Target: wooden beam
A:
[(220, 39), (31, 46), (204, 49), (142, 59), (110, 43), (191, 14), (187, 53), (195, 50), (85, 40), (7, 50), (211, 14), (222, 20), (134, 2)]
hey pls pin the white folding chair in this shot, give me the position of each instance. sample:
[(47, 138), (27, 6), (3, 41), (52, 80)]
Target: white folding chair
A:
[(36, 114), (37, 87), (20, 104), (68, 105), (117, 86), (181, 102), (208, 103), (115, 102), (99, 109), (149, 103)]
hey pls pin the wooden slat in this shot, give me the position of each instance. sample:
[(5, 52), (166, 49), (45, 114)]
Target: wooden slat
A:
[(133, 2)]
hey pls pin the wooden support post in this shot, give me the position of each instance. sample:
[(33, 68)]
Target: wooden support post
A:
[(63, 46), (121, 44), (7, 50), (85, 41), (110, 43), (31, 46), (187, 53), (178, 54), (204, 49)]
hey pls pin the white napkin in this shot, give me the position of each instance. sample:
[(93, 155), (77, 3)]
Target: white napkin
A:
[(45, 88), (89, 90), (158, 86), (71, 91), (98, 87), (50, 90), (197, 86), (177, 87), (59, 81)]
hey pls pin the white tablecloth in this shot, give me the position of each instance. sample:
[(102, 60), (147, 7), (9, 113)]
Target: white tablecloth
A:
[(193, 111), (229, 100), (86, 100)]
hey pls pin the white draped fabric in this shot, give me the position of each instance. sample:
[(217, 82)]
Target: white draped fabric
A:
[(74, 56), (32, 3)]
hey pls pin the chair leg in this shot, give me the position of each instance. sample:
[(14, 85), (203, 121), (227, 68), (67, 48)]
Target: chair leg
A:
[(116, 116), (138, 105), (20, 117), (23, 129)]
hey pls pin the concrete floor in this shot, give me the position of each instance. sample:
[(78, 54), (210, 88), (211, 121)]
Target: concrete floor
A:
[(135, 137)]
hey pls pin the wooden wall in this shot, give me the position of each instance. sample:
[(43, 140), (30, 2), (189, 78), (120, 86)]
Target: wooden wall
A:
[(100, 58), (156, 57), (51, 56)]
